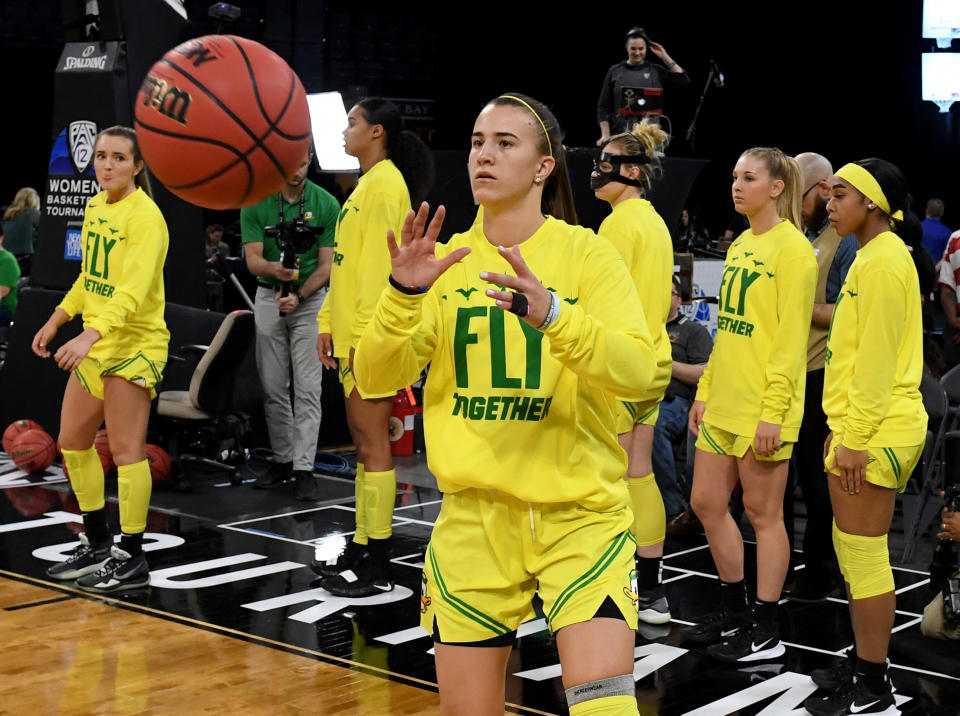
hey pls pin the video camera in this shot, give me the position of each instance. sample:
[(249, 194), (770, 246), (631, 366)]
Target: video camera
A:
[(941, 618), (294, 237)]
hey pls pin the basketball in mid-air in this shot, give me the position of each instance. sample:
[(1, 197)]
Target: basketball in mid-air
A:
[(222, 121)]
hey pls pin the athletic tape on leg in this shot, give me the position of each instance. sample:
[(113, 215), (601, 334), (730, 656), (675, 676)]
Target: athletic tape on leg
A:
[(86, 477), (649, 517), (866, 565), (602, 688)]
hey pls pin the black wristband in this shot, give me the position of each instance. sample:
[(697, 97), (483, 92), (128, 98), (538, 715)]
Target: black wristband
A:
[(409, 290), (300, 297)]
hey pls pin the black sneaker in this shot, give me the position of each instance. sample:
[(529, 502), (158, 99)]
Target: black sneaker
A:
[(365, 579), (854, 698), (83, 559), (306, 487), (279, 473), (652, 605), (121, 572), (713, 628), (748, 645), (347, 559), (839, 672)]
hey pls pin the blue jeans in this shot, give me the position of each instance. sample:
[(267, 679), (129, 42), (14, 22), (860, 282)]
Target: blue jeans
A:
[(671, 425)]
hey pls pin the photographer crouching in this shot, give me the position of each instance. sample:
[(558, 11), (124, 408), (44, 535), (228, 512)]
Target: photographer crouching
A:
[(289, 239), (941, 617)]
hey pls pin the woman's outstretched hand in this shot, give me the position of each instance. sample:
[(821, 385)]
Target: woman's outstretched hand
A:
[(414, 262)]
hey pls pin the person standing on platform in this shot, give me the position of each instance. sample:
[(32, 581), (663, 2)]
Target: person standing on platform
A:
[(629, 86), (749, 401), (623, 170), (527, 351), (834, 254), (396, 168), (878, 424), (116, 363), (20, 222), (285, 310)]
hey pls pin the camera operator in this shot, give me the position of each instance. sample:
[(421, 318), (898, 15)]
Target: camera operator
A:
[(941, 617), (291, 259)]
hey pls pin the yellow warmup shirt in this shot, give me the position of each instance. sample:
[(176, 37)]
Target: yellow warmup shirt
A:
[(506, 406), (361, 262), (758, 367), (119, 290), (874, 356), (636, 230)]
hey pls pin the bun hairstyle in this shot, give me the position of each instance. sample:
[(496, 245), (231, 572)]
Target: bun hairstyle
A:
[(647, 140), (142, 178), (894, 185), (785, 168), (404, 148), (557, 198)]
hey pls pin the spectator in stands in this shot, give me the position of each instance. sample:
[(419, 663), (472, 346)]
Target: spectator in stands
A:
[(691, 345), (689, 235), (9, 275), (949, 275), (935, 234), (215, 249), (20, 221)]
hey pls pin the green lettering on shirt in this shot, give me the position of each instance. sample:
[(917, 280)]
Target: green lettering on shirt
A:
[(498, 352), (462, 337)]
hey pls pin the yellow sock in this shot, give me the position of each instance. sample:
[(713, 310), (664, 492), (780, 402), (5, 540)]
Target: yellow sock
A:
[(380, 492), (134, 485), (649, 518), (86, 477), (606, 706), (360, 537)]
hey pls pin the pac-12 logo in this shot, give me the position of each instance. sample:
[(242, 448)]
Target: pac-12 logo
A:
[(81, 136)]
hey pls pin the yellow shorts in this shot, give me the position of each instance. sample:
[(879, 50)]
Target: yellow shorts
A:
[(348, 383), (489, 553), (138, 370), (630, 414), (886, 466), (721, 442)]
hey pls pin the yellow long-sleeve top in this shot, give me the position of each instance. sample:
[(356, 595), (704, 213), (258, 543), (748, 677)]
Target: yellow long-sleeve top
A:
[(361, 262), (507, 406), (119, 290), (636, 230), (874, 356), (758, 367)]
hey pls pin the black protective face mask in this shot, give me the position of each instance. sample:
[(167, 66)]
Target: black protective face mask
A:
[(603, 178)]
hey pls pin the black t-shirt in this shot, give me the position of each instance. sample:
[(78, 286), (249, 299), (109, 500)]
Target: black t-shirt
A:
[(691, 343)]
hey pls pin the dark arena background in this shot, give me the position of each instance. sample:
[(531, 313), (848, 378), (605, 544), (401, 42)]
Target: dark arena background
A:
[(232, 620)]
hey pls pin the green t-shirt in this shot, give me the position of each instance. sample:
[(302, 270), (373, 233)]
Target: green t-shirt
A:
[(319, 208), (9, 275)]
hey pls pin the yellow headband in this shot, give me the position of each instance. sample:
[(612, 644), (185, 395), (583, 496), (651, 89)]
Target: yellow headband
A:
[(863, 181), (534, 113)]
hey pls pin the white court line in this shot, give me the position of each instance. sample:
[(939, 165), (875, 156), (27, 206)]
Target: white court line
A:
[(691, 572), (405, 520), (286, 514), (674, 620), (419, 504), (811, 648), (902, 613), (912, 586), (686, 551), (266, 536), (906, 625), (678, 577)]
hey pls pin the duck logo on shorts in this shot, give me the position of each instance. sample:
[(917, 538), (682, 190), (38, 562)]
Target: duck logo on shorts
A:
[(80, 138), (632, 591), (139, 380), (425, 601)]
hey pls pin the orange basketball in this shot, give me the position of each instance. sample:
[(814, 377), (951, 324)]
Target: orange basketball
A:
[(102, 444), (159, 463), (33, 451), (222, 121), (14, 429)]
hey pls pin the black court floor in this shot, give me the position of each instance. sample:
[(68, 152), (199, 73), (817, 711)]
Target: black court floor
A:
[(237, 558)]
